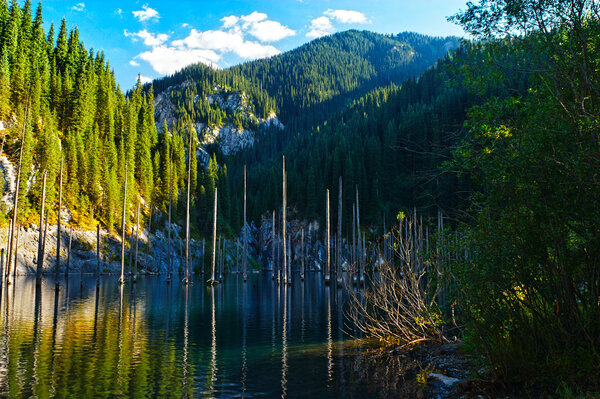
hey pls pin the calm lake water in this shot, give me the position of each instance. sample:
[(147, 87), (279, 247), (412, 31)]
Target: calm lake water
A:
[(152, 339)]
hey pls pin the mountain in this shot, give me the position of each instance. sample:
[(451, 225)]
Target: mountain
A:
[(389, 144), (271, 102), (309, 82), (305, 84)]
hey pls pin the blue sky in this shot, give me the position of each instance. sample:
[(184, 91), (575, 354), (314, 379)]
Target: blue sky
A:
[(157, 37)]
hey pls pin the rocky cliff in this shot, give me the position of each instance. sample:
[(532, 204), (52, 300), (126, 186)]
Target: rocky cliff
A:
[(237, 131)]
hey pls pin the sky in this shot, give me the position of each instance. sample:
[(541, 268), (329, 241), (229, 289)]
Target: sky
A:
[(154, 38)]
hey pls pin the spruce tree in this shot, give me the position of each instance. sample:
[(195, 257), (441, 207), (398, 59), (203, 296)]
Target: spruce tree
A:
[(4, 84), (60, 50)]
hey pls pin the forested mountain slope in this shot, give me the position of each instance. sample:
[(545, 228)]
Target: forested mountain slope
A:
[(305, 84), (59, 100), (302, 88)]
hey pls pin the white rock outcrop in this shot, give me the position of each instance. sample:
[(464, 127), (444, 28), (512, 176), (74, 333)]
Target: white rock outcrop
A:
[(228, 137), (10, 178)]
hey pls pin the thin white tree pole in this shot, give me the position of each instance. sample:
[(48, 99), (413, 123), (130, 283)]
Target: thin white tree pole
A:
[(212, 280), (137, 242), (39, 254), (187, 214), (273, 248), (169, 257), (327, 271), (122, 278), (338, 242), (58, 215), (245, 232), (16, 198), (286, 278)]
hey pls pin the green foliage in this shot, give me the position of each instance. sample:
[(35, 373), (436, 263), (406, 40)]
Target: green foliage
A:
[(531, 289), (72, 107)]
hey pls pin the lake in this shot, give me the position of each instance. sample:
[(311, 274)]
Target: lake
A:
[(153, 339)]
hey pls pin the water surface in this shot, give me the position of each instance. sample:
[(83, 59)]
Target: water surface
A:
[(153, 339)]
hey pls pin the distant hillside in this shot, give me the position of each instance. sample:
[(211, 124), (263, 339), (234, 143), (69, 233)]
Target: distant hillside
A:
[(305, 84), (244, 109), (309, 82)]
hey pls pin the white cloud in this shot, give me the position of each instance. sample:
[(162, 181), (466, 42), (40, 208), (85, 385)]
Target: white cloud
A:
[(146, 14), (149, 39), (185, 25), (254, 17), (270, 31), (225, 42), (347, 16), (78, 7), (229, 21), (323, 25), (118, 11), (319, 27), (210, 39), (254, 50), (145, 79), (134, 63), (209, 47), (167, 60)]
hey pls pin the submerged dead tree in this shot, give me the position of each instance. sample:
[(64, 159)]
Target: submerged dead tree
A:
[(203, 256), (286, 277), (169, 257), (98, 271), (137, 241), (39, 254), (328, 239), (353, 256), (302, 256), (44, 246), (245, 255), (187, 215), (214, 248), (69, 253), (273, 248), (361, 259), (58, 214), (122, 278), (16, 199), (401, 302), (338, 242)]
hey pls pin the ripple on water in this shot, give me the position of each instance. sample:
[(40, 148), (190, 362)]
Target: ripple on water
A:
[(157, 340)]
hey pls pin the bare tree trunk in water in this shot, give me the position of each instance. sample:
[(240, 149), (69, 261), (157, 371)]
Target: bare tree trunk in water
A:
[(286, 277), (273, 249), (137, 242), (302, 256), (39, 254), (58, 216), (245, 256), (16, 198), (327, 271), (122, 278), (338, 243), (98, 253), (187, 215), (212, 280)]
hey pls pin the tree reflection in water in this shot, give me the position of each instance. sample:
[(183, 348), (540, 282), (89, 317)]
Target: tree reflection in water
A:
[(155, 339)]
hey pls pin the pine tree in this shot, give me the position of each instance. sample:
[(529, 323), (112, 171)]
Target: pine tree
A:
[(60, 51), (4, 84), (94, 189), (144, 145), (3, 17), (10, 36)]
